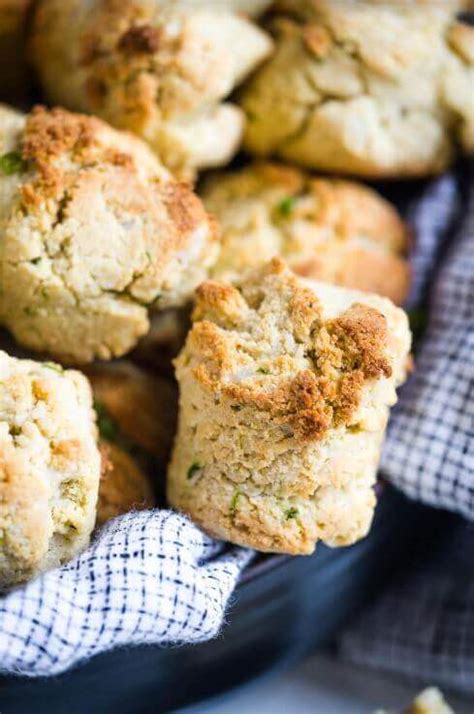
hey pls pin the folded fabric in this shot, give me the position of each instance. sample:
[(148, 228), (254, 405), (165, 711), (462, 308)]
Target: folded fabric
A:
[(423, 626), (429, 452), (149, 577)]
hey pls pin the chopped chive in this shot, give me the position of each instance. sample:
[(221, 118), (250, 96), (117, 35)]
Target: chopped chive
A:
[(286, 206), (418, 318), (193, 469), (35, 261), (263, 370), (30, 311), (12, 163), (233, 503), (354, 428), (291, 513), (108, 428)]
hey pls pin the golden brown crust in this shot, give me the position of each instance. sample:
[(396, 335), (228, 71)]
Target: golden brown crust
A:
[(95, 232), (140, 39), (141, 404), (461, 38), (50, 133), (123, 485), (219, 302), (317, 39), (327, 229), (346, 353), (161, 70), (285, 386)]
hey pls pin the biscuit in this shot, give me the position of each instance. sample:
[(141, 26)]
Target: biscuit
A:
[(94, 233), (332, 230), (159, 69), (49, 467), (123, 485), (285, 388), (429, 701), (134, 405), (369, 89), (307, 9), (13, 77)]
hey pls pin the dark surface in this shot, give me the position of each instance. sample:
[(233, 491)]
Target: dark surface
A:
[(283, 608)]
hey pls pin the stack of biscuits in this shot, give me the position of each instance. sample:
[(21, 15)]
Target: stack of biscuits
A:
[(199, 298)]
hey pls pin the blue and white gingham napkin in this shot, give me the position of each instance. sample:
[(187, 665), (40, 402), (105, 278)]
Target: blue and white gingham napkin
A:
[(423, 626), (153, 577), (149, 577), (429, 452)]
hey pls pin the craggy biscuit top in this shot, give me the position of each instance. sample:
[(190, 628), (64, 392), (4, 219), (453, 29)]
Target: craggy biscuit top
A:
[(374, 89), (285, 386), (49, 466), (160, 69), (94, 231), (269, 345), (326, 229)]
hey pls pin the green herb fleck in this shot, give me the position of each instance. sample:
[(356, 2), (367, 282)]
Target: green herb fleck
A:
[(236, 407), (108, 428), (12, 163), (55, 367), (418, 318), (354, 428), (291, 513), (233, 502), (263, 370), (286, 206), (30, 311), (35, 261), (193, 469)]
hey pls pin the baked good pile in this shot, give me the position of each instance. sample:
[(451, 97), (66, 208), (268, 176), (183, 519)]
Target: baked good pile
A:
[(193, 314)]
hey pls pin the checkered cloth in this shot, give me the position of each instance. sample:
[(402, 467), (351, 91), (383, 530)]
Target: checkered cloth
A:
[(429, 452), (423, 626), (149, 577), (153, 577)]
